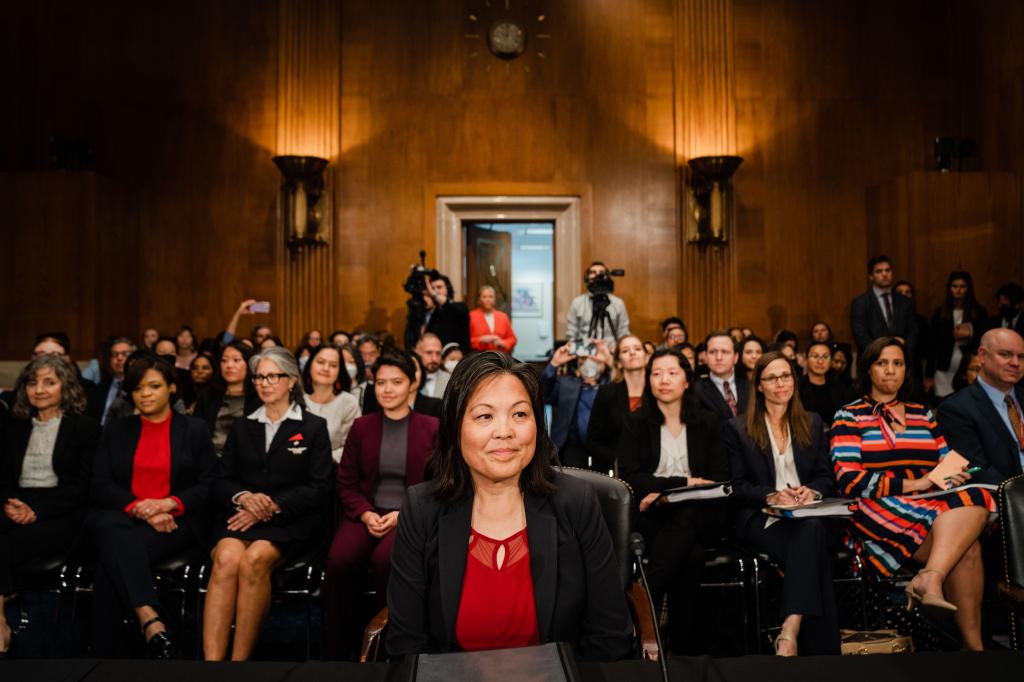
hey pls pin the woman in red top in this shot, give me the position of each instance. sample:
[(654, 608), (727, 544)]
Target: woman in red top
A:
[(500, 550), (150, 484), (489, 328)]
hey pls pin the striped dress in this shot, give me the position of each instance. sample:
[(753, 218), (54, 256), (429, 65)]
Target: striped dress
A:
[(871, 461)]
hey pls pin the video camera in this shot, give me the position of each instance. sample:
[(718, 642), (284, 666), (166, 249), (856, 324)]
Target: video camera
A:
[(603, 283), (416, 283)]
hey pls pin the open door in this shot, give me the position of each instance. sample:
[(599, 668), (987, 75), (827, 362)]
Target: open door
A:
[(489, 261)]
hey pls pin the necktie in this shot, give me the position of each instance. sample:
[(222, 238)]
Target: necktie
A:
[(1015, 421), (729, 397), (888, 308)]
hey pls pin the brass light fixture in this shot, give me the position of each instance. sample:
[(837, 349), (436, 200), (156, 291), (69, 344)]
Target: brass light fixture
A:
[(709, 199), (304, 203)]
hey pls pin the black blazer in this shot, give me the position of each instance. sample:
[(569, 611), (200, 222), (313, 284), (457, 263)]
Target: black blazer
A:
[(972, 427), (577, 590), (753, 469), (423, 404), (941, 343), (72, 462), (640, 453), (607, 422), (451, 323), (868, 321), (838, 395), (714, 401), (210, 400), (96, 396), (192, 467), (298, 481)]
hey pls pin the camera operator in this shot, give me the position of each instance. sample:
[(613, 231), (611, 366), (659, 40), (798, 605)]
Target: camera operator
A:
[(612, 320), (447, 318)]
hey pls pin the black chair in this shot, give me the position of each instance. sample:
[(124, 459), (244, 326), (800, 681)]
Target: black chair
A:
[(1011, 523)]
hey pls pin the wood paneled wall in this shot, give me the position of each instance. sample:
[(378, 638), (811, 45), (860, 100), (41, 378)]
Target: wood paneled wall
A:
[(185, 105)]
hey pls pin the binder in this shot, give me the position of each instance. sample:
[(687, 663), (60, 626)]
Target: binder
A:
[(690, 493), (554, 662), (830, 507)]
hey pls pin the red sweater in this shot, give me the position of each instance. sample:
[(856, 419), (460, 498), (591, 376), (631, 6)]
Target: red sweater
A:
[(151, 468)]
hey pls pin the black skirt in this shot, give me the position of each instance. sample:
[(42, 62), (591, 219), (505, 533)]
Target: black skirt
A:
[(289, 546)]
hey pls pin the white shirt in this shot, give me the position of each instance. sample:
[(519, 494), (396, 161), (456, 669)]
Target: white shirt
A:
[(339, 413), (879, 295), (944, 378), (37, 467), (785, 464), (674, 459), (434, 384), (270, 427), (489, 319)]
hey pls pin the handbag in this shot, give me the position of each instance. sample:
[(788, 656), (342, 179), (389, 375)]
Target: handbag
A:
[(858, 642)]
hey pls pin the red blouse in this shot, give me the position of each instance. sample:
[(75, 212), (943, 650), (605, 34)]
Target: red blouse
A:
[(497, 610), (151, 468), (635, 402)]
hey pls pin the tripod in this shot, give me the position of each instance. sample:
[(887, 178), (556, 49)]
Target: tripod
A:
[(599, 316)]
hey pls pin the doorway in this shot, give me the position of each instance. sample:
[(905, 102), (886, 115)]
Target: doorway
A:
[(517, 259)]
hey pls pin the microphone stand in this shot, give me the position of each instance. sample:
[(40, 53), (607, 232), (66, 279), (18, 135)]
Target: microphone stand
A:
[(636, 543)]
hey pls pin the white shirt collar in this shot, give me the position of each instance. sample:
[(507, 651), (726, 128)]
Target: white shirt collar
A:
[(293, 412), (719, 381)]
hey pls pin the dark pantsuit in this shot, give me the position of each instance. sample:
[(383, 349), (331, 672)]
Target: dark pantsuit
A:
[(676, 536), (127, 550), (21, 545), (801, 547), (353, 554)]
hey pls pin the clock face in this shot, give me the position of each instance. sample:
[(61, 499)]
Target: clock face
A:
[(507, 38)]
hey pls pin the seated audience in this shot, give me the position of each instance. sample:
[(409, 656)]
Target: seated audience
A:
[(882, 450), (150, 490), (101, 395), (46, 454), (842, 370), (428, 348), (724, 391), (269, 342), (490, 328), (451, 355), (736, 334), (686, 349), (231, 394), (821, 332), (673, 332), (357, 373), (956, 327), (573, 398), (184, 347), (615, 401), (386, 452), (149, 337), (340, 338), (326, 387), (256, 335), (201, 375), (750, 349), (983, 422), (1010, 299), (671, 442), (967, 372), (499, 550), (368, 346), (819, 393), (779, 455), (271, 504), (311, 339)]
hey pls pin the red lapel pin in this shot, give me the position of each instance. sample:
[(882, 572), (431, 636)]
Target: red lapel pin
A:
[(297, 437)]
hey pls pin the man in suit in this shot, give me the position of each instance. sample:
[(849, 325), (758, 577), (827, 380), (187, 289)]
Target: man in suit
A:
[(435, 379), (983, 422), (724, 391), (102, 395), (1010, 298), (573, 397), (880, 311)]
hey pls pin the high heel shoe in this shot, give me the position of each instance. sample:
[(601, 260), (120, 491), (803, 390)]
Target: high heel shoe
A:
[(160, 646), (930, 604), (784, 638)]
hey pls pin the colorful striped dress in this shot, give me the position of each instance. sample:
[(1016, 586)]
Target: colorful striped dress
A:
[(871, 461)]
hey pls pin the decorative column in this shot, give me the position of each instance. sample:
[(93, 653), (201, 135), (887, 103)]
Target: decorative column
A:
[(705, 126), (308, 124)]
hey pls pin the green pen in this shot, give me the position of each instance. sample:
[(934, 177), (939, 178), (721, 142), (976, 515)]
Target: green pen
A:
[(972, 471)]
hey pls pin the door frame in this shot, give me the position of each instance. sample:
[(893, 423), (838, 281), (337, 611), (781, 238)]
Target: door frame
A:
[(563, 211)]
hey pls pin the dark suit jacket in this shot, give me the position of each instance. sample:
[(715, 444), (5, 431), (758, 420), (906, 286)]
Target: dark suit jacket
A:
[(973, 428), (298, 481), (359, 471), (940, 345), (73, 454), (753, 469), (607, 422), (868, 321), (838, 395), (996, 322), (193, 465), (562, 391), (451, 323), (577, 590), (209, 402), (714, 401), (96, 397), (640, 453), (423, 404)]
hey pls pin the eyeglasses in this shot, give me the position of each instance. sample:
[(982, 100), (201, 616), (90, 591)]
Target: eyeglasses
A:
[(819, 357), (778, 378), (270, 379)]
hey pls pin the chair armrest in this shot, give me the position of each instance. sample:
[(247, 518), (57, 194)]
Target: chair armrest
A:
[(1012, 594), (644, 624), (373, 637)]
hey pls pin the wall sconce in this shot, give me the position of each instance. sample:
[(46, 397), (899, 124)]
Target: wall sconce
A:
[(709, 199), (304, 205)]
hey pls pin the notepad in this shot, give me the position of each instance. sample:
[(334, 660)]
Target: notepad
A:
[(953, 463)]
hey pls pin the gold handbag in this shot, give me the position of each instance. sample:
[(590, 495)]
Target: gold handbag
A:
[(857, 642)]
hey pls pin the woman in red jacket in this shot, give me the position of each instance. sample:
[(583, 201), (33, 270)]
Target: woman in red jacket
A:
[(489, 328)]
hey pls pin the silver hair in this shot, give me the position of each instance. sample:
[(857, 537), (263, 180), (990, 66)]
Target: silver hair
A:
[(72, 396), (486, 286), (287, 363)]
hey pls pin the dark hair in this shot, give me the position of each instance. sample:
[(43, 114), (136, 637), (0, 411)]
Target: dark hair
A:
[(973, 312), (186, 328), (785, 336), (593, 263), (875, 260), (140, 363), (827, 345), (395, 359), (845, 377), (451, 473), (414, 358), (247, 353), (1012, 291), (672, 321), (57, 337), (357, 358), (190, 391), (434, 275), (278, 343), (719, 333), (72, 396), (367, 338), (904, 283), (649, 404), (168, 339), (799, 422), (826, 325), (751, 339), (871, 355), (330, 337), (342, 383)]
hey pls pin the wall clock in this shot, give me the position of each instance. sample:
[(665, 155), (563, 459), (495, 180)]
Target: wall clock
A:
[(506, 38), (510, 30)]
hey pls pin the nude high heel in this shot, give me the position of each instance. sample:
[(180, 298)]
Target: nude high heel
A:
[(929, 603)]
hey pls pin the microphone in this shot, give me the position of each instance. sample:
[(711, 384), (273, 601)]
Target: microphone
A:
[(637, 547)]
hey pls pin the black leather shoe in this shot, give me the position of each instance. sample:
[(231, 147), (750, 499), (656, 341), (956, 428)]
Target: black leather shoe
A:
[(160, 646)]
